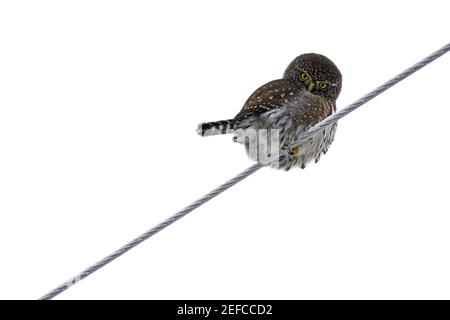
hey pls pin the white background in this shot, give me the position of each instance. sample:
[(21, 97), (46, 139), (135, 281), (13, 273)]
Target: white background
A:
[(99, 102)]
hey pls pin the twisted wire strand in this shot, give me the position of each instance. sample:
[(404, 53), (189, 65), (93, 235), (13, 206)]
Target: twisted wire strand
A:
[(244, 174), (358, 103), (133, 243)]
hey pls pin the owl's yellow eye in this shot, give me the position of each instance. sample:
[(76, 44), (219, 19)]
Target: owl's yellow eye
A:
[(322, 85), (304, 76)]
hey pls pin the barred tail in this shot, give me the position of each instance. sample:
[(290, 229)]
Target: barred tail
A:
[(215, 127)]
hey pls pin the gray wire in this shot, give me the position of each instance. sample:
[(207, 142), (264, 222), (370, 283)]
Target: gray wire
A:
[(244, 174), (358, 103), (130, 245)]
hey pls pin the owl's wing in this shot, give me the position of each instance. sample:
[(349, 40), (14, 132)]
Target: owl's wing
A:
[(272, 95), (295, 116), (283, 101)]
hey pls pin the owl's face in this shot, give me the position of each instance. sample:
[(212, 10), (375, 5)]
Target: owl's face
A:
[(315, 73)]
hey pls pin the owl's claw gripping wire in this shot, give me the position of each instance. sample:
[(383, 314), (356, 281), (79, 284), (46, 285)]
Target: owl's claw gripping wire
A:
[(293, 151)]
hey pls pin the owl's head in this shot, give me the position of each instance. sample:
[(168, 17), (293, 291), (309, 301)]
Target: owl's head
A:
[(315, 73)]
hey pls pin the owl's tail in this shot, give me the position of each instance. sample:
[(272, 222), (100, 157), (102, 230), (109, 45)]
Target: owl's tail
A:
[(216, 127)]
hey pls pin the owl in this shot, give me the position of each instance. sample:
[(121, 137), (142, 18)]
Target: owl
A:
[(277, 113)]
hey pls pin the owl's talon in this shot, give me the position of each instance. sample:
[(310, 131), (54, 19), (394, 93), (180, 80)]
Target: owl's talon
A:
[(292, 151)]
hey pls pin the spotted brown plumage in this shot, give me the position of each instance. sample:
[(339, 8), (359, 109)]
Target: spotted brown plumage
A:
[(305, 95), (269, 96)]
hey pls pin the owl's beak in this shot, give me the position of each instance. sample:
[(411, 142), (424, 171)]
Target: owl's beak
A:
[(311, 86)]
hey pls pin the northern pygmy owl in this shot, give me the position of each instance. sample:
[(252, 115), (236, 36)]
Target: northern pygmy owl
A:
[(305, 95)]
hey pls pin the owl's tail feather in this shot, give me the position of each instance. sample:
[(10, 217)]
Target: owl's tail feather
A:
[(216, 127)]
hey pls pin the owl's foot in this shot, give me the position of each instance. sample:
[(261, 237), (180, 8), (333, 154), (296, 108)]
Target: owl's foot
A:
[(295, 151)]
